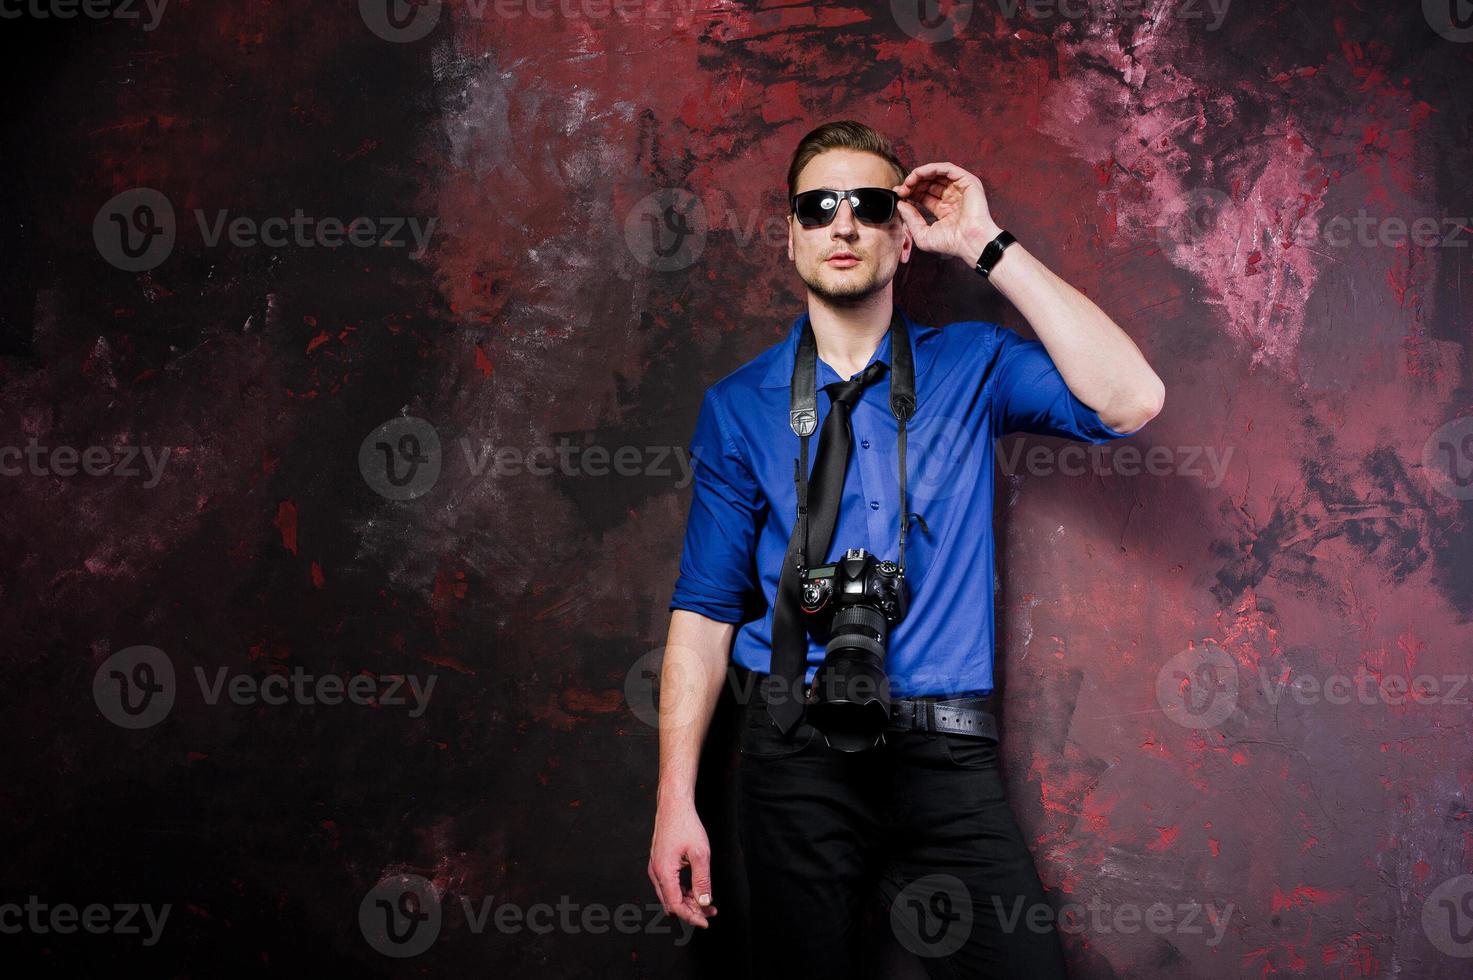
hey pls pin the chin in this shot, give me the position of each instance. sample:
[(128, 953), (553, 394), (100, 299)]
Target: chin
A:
[(841, 287)]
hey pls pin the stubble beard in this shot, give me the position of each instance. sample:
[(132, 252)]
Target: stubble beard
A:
[(849, 289)]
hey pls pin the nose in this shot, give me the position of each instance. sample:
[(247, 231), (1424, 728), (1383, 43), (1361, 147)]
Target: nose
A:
[(844, 225)]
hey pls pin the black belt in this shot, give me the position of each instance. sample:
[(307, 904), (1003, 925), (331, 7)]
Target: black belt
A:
[(958, 716), (938, 713)]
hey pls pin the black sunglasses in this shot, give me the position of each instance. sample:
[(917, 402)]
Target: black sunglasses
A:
[(872, 205)]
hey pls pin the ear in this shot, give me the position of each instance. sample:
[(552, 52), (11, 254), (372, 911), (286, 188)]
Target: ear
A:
[(790, 237)]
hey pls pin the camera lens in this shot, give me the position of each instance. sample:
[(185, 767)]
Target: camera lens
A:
[(852, 690)]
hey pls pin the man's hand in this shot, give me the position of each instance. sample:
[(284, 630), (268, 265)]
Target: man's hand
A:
[(963, 225), (680, 839)]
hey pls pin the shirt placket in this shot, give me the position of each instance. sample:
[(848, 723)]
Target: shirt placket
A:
[(868, 451)]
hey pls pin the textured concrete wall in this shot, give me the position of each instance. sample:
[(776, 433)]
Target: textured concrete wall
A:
[(320, 463)]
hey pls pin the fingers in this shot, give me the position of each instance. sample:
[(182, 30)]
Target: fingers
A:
[(694, 913), (915, 223), (930, 184), (929, 196), (932, 171), (675, 902), (912, 218), (696, 910), (700, 878), (660, 885), (684, 905)]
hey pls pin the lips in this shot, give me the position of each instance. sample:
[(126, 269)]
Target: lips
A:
[(843, 260)]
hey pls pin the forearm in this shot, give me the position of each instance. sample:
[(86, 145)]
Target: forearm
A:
[(1098, 360), (696, 654)]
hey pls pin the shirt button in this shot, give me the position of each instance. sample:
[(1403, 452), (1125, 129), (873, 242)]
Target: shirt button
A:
[(874, 505), (864, 443)]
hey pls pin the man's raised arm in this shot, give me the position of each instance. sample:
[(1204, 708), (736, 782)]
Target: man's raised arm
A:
[(1099, 362)]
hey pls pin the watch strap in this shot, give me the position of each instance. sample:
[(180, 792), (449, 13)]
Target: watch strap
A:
[(993, 252)]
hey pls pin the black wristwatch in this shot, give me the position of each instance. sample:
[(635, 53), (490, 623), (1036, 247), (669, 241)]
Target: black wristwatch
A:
[(993, 252)]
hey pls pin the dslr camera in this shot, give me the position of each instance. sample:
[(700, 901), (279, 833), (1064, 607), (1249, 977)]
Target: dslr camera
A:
[(850, 606)]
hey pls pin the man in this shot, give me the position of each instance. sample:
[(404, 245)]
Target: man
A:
[(923, 815)]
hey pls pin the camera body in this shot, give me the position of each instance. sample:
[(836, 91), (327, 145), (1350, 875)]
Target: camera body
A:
[(851, 606), (854, 580)]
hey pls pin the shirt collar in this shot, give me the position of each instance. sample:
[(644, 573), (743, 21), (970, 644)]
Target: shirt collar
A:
[(780, 372)]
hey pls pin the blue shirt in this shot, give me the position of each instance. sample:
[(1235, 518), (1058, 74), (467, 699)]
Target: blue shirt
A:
[(975, 381)]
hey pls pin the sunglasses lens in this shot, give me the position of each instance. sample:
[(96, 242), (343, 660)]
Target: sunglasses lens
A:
[(814, 208), (874, 205)]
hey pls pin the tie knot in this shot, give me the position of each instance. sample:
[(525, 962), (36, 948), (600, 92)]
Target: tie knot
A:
[(847, 392)]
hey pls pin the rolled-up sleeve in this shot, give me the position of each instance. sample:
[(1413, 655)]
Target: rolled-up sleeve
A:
[(1030, 395), (717, 563)]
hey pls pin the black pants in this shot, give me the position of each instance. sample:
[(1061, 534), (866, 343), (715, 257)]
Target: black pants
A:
[(921, 823)]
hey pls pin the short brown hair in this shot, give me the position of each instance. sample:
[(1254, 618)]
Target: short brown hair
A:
[(843, 134)]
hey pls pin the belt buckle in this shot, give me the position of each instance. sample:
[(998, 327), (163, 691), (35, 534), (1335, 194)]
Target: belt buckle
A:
[(904, 715)]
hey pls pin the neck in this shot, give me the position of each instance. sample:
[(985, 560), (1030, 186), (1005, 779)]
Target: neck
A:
[(847, 335)]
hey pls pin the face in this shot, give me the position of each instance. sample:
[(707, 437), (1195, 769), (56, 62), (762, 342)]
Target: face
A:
[(877, 250)]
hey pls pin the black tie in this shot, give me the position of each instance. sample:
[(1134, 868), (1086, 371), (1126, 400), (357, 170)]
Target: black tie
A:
[(789, 635)]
